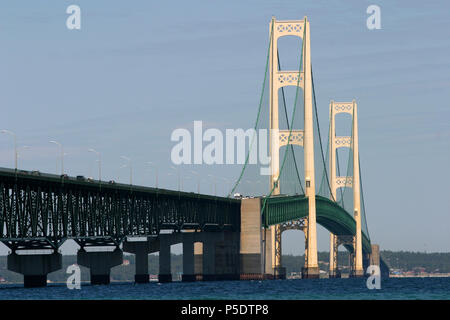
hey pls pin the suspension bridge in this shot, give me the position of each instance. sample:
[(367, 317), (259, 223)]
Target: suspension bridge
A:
[(223, 237)]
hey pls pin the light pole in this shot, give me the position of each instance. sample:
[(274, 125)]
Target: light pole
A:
[(131, 168), (250, 187), (99, 160), (173, 174), (227, 181), (15, 145), (62, 156), (18, 153), (198, 183), (178, 172), (156, 172), (182, 181), (214, 179), (261, 184)]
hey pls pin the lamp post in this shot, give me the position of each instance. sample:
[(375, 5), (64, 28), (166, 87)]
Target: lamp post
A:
[(62, 155), (227, 181), (250, 187), (198, 182), (156, 172), (214, 179), (131, 168), (15, 145), (99, 160), (18, 153), (173, 174), (178, 172), (182, 181), (259, 182)]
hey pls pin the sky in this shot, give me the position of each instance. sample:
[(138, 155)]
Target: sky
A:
[(136, 71)]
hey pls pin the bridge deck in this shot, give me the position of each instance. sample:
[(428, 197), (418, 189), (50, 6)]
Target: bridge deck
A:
[(329, 214), (42, 210)]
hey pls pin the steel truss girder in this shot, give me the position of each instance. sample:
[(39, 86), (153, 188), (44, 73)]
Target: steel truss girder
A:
[(299, 224), (43, 213)]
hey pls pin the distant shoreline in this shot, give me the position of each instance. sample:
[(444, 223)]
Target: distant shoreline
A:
[(344, 276), (431, 275)]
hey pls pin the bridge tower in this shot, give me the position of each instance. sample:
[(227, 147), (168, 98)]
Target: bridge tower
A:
[(303, 79), (346, 181)]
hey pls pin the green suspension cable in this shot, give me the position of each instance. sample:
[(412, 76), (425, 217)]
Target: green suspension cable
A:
[(318, 129), (362, 199), (258, 115)]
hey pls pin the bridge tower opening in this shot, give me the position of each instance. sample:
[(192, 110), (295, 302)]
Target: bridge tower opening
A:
[(291, 231)]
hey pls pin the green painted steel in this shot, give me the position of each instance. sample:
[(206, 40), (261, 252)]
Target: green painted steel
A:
[(329, 214), (42, 211)]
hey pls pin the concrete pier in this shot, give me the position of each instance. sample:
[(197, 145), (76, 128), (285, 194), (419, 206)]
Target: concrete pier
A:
[(141, 249), (165, 273), (374, 259), (251, 239), (310, 273), (188, 258), (255, 243), (227, 257), (279, 273), (34, 267), (100, 263), (209, 255), (198, 259), (335, 274), (356, 274)]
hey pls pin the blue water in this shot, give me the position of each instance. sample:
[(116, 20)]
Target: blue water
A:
[(393, 288)]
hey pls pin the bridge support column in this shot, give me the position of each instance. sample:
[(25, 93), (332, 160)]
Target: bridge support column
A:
[(255, 243), (165, 272), (334, 271), (34, 267), (188, 258), (141, 251), (311, 268), (100, 263), (309, 271), (359, 271), (279, 272), (209, 255), (374, 257), (227, 257), (266, 254), (198, 260), (355, 272)]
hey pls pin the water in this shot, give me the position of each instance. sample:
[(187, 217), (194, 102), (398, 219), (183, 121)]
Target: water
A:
[(392, 288)]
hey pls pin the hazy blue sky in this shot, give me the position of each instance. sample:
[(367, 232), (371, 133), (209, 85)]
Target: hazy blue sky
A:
[(137, 70)]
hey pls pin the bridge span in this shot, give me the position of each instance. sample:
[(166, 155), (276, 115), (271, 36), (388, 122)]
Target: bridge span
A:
[(222, 238)]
